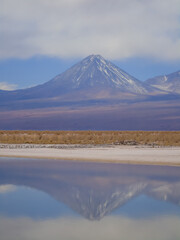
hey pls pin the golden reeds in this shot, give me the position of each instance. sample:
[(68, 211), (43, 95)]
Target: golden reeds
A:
[(162, 138)]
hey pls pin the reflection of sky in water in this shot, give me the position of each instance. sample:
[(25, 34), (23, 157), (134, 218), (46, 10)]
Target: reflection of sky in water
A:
[(54, 200), (32, 203), (146, 207)]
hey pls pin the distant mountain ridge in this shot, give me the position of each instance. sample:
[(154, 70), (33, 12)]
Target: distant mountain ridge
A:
[(169, 83)]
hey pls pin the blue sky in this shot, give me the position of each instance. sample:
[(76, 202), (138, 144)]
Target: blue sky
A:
[(42, 38)]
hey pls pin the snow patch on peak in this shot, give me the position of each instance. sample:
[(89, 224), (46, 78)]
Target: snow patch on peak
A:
[(165, 78), (96, 59)]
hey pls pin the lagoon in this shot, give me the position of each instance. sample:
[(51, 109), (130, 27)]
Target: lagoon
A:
[(69, 200)]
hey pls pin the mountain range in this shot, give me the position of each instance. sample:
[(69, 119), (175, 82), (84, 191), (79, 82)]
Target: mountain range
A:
[(90, 90), (169, 83)]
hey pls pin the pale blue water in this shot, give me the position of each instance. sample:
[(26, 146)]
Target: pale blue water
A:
[(53, 199)]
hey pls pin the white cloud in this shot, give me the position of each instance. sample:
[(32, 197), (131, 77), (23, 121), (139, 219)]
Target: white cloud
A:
[(7, 86), (7, 188), (162, 228), (75, 28)]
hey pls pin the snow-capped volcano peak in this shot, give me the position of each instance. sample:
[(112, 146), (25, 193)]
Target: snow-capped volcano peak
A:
[(96, 72), (92, 78), (95, 57)]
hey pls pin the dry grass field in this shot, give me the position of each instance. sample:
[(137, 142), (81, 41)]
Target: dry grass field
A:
[(161, 138)]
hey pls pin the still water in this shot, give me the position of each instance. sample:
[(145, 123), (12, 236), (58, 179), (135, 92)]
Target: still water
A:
[(66, 200)]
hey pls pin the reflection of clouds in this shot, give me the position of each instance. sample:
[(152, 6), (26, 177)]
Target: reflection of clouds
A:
[(164, 228), (7, 188)]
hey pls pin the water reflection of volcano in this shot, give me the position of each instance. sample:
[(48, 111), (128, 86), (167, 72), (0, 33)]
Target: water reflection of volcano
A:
[(93, 189)]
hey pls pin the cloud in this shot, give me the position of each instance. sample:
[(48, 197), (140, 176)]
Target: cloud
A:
[(75, 28), (7, 188), (162, 228), (7, 86)]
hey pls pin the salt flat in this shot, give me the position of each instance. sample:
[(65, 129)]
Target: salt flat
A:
[(119, 154)]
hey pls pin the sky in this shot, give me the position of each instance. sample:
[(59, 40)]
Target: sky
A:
[(42, 38)]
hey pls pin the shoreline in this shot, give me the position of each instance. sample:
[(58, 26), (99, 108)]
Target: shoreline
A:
[(137, 154)]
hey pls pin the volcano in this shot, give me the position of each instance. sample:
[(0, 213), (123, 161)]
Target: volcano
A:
[(94, 72), (92, 78), (92, 94)]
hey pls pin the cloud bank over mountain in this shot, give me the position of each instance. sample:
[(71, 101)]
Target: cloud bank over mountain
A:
[(75, 28)]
